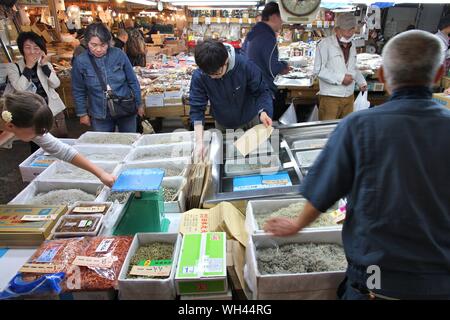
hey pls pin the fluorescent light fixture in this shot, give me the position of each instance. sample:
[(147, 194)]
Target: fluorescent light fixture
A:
[(144, 2)]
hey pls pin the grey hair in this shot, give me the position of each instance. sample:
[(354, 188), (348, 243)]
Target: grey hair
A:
[(412, 58), (98, 30)]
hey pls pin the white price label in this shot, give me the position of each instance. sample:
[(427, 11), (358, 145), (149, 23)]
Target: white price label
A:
[(309, 26), (93, 209), (39, 218), (319, 24), (195, 20), (240, 21), (151, 271), (250, 20), (41, 268), (228, 20), (93, 262), (104, 245), (219, 20), (208, 20), (326, 24)]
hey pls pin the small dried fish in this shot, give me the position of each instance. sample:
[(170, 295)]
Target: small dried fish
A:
[(301, 258)]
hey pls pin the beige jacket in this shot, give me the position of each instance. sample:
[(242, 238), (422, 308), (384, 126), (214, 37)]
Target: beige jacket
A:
[(330, 68), (21, 83)]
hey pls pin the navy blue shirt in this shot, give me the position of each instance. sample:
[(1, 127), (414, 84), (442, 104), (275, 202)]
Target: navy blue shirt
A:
[(235, 99), (393, 164), (261, 47)]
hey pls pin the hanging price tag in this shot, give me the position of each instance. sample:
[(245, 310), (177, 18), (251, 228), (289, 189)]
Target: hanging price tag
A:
[(240, 21), (208, 20), (195, 20), (326, 24), (228, 20), (93, 262), (319, 24), (309, 26), (250, 20), (219, 20)]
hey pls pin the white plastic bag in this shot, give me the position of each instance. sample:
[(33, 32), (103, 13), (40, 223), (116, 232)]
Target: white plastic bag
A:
[(314, 115), (361, 102), (289, 116)]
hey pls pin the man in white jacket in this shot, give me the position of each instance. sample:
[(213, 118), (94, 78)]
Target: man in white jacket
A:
[(335, 66)]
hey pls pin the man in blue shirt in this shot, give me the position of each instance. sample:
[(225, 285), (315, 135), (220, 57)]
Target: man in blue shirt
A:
[(261, 47), (392, 164), (234, 87)]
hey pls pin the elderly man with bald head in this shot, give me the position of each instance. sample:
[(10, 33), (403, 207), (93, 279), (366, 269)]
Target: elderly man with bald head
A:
[(391, 162)]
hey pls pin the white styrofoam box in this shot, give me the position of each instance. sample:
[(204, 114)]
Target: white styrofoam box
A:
[(180, 166), (173, 94), (110, 222), (179, 204), (63, 171), (29, 172), (173, 101), (165, 138), (256, 207), (273, 160), (113, 153), (154, 100), (161, 152), (310, 286), (86, 138), (36, 187), (146, 289)]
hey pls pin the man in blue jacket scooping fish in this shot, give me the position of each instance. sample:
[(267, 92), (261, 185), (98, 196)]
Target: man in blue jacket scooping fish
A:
[(234, 86)]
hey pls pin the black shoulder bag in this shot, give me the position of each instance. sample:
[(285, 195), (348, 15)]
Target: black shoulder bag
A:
[(118, 106)]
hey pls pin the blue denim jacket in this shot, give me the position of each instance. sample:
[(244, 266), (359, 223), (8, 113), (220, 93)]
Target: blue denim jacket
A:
[(86, 89), (392, 163)]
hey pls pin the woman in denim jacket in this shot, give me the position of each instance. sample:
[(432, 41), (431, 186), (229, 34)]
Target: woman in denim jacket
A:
[(90, 99)]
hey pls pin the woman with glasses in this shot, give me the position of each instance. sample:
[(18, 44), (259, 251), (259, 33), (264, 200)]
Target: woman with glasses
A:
[(104, 86), (34, 73)]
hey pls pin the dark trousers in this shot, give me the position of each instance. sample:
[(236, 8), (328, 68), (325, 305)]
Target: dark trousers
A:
[(279, 104)]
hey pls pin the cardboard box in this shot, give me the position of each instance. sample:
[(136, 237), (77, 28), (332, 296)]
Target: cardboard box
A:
[(17, 233), (217, 296), (221, 218), (442, 98), (154, 100), (173, 101), (201, 266)]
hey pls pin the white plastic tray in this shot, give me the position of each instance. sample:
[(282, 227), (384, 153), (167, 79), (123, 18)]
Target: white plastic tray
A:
[(309, 144), (161, 152), (306, 158), (104, 153), (165, 138), (89, 138), (232, 166)]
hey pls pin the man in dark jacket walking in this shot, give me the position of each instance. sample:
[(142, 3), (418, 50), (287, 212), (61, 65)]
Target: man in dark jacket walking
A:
[(261, 47), (234, 86)]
